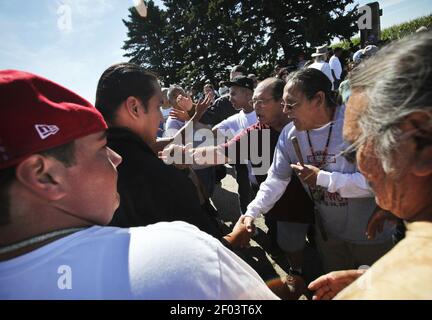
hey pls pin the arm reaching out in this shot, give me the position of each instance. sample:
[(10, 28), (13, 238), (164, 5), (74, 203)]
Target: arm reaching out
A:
[(329, 285)]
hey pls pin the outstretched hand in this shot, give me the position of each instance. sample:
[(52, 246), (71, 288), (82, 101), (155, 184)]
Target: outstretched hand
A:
[(248, 222), (329, 285), (202, 106), (178, 155), (239, 237), (185, 103)]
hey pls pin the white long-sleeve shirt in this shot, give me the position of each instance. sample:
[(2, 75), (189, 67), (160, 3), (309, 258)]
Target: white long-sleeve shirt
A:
[(348, 200)]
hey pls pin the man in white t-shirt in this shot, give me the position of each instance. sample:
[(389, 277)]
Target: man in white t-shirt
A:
[(336, 67), (241, 92), (320, 63), (58, 187)]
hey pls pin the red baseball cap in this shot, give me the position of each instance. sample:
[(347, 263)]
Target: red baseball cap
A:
[(37, 114)]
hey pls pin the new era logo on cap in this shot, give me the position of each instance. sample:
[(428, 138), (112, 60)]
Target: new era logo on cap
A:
[(54, 116), (45, 130)]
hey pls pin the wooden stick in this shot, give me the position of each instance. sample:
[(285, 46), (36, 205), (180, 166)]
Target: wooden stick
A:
[(296, 146)]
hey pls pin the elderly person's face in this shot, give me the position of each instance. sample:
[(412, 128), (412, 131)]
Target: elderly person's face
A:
[(301, 110), (405, 193), (268, 110)]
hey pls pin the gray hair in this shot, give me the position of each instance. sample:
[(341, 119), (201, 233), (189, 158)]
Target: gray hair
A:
[(397, 82), (173, 91)]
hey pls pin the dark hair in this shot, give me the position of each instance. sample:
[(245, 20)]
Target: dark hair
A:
[(311, 81), (64, 153), (7, 176), (120, 82), (277, 89), (240, 68), (275, 85), (337, 49), (282, 72)]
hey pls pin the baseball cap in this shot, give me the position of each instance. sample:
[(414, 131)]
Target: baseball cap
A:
[(241, 81), (37, 114)]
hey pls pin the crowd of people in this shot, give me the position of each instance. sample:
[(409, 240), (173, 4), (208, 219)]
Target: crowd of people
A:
[(113, 201)]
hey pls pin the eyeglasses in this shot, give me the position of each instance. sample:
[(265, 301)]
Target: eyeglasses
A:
[(289, 106), (255, 102), (421, 138)]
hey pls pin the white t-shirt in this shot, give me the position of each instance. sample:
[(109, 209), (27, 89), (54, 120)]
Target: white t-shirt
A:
[(336, 66), (348, 200), (161, 261), (236, 124), (324, 67)]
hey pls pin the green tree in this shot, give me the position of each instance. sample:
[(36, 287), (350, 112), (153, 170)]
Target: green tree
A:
[(190, 41)]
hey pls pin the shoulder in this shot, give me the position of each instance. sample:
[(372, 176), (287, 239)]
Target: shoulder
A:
[(229, 122), (182, 231), (178, 261), (384, 281), (288, 131), (234, 117), (222, 101)]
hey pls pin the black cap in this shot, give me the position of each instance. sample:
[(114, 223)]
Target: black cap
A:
[(241, 81)]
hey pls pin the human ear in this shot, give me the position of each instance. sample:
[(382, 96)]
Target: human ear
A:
[(320, 98), (132, 107), (43, 176), (422, 138), (423, 162)]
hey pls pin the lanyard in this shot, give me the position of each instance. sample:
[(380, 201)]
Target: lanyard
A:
[(324, 156)]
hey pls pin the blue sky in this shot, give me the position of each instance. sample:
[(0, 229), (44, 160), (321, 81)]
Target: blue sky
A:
[(38, 37)]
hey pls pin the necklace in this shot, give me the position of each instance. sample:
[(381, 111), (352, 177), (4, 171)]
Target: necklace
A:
[(37, 239), (319, 192), (324, 155)]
